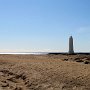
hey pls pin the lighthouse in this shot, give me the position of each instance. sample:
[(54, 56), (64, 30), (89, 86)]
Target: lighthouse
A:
[(71, 50)]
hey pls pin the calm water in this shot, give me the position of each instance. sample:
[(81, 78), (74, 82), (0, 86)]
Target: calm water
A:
[(23, 53), (40, 53)]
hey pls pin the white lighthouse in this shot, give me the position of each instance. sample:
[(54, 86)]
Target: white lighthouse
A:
[(71, 50)]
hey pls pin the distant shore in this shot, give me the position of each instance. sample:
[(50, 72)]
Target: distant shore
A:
[(44, 53)]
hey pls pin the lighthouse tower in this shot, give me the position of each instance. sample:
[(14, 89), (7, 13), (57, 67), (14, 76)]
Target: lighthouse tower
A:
[(71, 50)]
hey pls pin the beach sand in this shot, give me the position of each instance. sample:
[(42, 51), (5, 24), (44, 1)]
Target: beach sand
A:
[(44, 72)]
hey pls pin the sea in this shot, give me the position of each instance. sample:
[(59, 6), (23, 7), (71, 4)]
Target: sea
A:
[(25, 53), (41, 53)]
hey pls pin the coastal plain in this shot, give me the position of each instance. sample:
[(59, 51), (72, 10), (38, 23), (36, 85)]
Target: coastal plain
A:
[(45, 72)]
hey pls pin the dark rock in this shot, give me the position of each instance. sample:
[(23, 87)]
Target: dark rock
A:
[(86, 62), (18, 88), (12, 80), (65, 59), (5, 84), (79, 60)]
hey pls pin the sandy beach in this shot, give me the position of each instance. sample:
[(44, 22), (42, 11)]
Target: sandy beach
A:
[(44, 72)]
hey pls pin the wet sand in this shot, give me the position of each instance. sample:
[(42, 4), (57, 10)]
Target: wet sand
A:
[(44, 72)]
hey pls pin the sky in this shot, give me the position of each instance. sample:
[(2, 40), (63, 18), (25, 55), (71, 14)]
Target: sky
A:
[(44, 25)]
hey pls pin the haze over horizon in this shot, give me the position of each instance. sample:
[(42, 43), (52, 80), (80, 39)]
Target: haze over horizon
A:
[(44, 25)]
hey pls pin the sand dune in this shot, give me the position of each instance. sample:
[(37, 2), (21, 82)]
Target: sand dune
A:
[(44, 72)]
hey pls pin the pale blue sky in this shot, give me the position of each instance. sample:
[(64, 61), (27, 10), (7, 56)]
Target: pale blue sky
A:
[(44, 25)]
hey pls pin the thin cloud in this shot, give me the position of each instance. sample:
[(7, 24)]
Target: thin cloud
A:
[(83, 30)]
